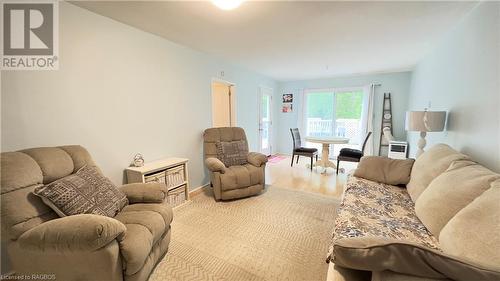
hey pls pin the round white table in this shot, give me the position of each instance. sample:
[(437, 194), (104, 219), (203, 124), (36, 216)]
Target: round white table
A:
[(326, 141)]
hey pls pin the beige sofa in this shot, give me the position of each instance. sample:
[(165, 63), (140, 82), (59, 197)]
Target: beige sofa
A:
[(238, 181), (78, 247), (443, 225)]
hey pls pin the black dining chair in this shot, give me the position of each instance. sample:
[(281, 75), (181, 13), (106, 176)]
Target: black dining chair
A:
[(299, 150), (352, 155)]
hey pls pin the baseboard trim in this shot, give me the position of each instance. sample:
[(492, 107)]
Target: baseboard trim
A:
[(198, 190)]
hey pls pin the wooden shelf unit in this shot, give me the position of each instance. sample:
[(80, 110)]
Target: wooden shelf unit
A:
[(171, 171)]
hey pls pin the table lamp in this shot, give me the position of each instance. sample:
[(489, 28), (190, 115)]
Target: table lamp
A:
[(423, 122)]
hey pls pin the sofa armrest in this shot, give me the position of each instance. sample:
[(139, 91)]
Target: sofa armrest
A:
[(145, 192), (384, 169), (215, 165), (256, 159), (78, 233)]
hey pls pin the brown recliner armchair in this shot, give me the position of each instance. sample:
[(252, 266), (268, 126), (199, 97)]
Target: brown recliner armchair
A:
[(78, 247), (235, 181)]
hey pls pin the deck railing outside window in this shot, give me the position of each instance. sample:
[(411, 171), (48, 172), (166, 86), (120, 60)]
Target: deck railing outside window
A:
[(349, 128)]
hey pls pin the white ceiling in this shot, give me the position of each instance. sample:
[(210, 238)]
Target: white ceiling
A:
[(298, 40)]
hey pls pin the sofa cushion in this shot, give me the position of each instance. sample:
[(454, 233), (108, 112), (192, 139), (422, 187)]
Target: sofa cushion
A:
[(233, 152), (384, 169), (429, 165), (241, 176), (376, 254), (371, 209), (146, 224), (85, 192), (474, 232), (163, 209), (450, 192), (54, 162), (151, 192), (22, 210), (80, 156), (19, 170)]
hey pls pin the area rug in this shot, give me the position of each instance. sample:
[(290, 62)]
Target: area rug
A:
[(275, 158), (281, 234)]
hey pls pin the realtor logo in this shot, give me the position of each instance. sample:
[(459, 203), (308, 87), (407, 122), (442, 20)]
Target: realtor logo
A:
[(29, 33)]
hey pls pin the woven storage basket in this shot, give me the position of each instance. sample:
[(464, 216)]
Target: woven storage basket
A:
[(171, 177), (174, 176), (176, 196), (156, 177)]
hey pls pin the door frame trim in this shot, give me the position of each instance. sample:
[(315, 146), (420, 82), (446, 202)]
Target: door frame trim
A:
[(261, 93)]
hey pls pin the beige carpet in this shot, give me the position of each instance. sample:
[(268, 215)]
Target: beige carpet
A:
[(279, 235)]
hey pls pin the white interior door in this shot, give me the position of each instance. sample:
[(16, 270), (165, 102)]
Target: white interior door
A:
[(223, 114), (265, 120)]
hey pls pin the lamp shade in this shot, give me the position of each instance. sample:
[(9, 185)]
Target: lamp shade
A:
[(425, 121)]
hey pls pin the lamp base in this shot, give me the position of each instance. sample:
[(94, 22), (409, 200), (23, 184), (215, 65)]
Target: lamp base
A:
[(421, 144)]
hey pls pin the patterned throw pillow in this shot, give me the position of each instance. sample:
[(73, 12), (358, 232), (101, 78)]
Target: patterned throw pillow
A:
[(85, 192), (232, 153)]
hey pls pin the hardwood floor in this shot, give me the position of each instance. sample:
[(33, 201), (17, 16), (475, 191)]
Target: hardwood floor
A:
[(300, 177)]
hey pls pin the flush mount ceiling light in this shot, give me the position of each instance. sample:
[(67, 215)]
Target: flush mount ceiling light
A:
[(227, 4)]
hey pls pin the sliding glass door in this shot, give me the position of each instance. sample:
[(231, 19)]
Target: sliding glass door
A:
[(320, 114), (334, 112)]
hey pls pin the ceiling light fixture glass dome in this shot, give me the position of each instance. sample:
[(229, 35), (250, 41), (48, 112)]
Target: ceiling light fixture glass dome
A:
[(227, 4)]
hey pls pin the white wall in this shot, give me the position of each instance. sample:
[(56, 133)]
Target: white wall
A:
[(396, 83), (462, 76), (120, 91)]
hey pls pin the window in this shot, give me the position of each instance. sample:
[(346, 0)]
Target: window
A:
[(334, 112)]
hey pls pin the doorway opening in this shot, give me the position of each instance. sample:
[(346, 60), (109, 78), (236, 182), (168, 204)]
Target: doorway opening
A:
[(223, 104)]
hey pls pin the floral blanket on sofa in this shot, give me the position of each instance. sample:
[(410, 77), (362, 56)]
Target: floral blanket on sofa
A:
[(379, 210)]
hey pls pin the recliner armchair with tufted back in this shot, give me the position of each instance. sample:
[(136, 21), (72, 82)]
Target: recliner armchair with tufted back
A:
[(236, 181), (78, 247)]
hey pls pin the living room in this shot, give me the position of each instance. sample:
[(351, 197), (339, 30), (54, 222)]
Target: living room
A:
[(129, 94)]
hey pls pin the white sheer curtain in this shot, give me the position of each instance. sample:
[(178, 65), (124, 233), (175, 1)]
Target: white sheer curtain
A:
[(367, 118), (300, 98)]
